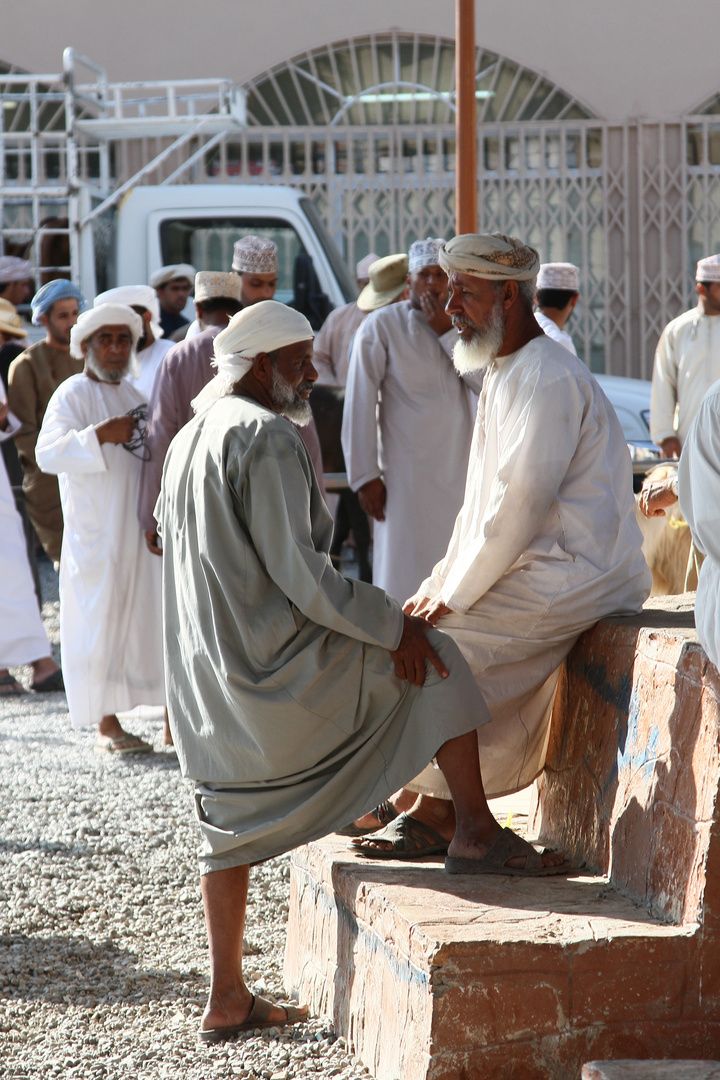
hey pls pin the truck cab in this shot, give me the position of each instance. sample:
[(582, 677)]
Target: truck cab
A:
[(154, 226)]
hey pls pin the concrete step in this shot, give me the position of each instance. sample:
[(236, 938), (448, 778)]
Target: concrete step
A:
[(489, 978)]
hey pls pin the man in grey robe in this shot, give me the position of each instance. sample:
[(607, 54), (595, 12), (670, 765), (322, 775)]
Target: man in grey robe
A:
[(297, 699)]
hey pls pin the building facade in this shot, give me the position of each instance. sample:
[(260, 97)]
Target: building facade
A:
[(571, 155)]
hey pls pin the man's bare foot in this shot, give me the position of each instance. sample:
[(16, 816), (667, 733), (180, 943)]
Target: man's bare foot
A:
[(167, 739), (231, 1009), (462, 848)]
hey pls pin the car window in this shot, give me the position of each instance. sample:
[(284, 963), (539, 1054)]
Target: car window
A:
[(207, 244)]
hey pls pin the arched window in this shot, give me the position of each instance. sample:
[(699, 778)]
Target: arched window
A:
[(399, 78)]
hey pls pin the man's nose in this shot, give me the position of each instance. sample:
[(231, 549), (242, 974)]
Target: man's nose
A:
[(453, 306), (311, 372)]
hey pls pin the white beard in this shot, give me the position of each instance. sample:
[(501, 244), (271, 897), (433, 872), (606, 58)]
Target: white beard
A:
[(483, 346), (289, 402), (101, 373)]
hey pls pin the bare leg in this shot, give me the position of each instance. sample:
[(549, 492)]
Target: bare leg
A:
[(467, 822), (224, 894), (167, 733), (402, 800)]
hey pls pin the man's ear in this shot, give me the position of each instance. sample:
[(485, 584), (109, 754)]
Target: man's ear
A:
[(262, 368), (84, 345), (510, 294)]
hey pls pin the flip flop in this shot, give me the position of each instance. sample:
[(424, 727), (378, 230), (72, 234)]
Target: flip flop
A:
[(507, 845), (122, 744), (257, 1018), (385, 812), (50, 684), (410, 839), (10, 687)]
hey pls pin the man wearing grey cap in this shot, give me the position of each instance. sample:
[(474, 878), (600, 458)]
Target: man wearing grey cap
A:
[(546, 541), (687, 362), (556, 297), (407, 423), (173, 284)]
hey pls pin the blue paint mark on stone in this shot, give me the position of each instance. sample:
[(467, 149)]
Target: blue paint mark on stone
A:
[(636, 754)]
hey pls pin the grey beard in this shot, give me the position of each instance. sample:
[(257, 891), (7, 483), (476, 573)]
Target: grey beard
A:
[(288, 401), (484, 345), (101, 373)]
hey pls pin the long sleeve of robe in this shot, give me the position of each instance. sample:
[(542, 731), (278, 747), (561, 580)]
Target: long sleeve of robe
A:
[(110, 607), (331, 352), (282, 696), (687, 363), (546, 543), (408, 418), (22, 635), (699, 491)]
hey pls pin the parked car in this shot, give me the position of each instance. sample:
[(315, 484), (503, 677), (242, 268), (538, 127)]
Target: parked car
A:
[(631, 400)]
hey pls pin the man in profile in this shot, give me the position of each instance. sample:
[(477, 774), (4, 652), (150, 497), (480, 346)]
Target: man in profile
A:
[(297, 698)]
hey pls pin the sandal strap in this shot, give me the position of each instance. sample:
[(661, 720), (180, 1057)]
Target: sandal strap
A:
[(508, 845)]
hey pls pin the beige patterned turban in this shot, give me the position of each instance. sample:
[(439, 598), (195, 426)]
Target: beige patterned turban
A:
[(491, 255)]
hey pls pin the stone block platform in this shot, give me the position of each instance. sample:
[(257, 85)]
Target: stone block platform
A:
[(432, 977)]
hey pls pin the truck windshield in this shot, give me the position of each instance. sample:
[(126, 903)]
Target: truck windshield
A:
[(207, 242), (329, 247)]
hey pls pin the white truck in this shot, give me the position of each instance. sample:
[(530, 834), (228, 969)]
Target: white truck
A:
[(199, 224)]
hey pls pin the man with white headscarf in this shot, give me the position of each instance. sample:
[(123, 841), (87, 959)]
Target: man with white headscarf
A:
[(32, 380), (407, 425), (185, 371), (173, 285), (152, 346), (546, 542), (110, 616), (297, 698), (557, 294)]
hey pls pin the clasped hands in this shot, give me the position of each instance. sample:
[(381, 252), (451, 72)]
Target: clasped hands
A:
[(419, 614)]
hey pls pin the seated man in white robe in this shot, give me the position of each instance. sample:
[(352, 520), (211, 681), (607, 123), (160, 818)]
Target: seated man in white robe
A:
[(297, 698), (546, 542), (698, 486), (110, 616)]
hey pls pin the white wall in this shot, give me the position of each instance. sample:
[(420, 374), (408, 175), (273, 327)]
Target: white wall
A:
[(621, 58)]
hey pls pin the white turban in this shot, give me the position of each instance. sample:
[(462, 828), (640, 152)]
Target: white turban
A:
[(135, 296), (107, 315), (493, 256), (170, 273), (260, 328)]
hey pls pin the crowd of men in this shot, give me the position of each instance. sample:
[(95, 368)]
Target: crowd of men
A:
[(173, 470)]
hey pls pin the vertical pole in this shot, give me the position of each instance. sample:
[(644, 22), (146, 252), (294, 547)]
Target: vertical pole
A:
[(466, 211)]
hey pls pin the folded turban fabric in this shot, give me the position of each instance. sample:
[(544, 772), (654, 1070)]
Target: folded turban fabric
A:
[(425, 253), (107, 315), (493, 256), (170, 273), (260, 328), (59, 289), (565, 276), (708, 269), (362, 269), (14, 269), (135, 296), (255, 255)]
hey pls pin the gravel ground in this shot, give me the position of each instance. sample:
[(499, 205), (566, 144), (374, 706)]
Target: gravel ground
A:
[(103, 956)]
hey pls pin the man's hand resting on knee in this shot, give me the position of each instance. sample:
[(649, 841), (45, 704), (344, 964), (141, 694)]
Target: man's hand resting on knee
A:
[(422, 607), (412, 652)]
